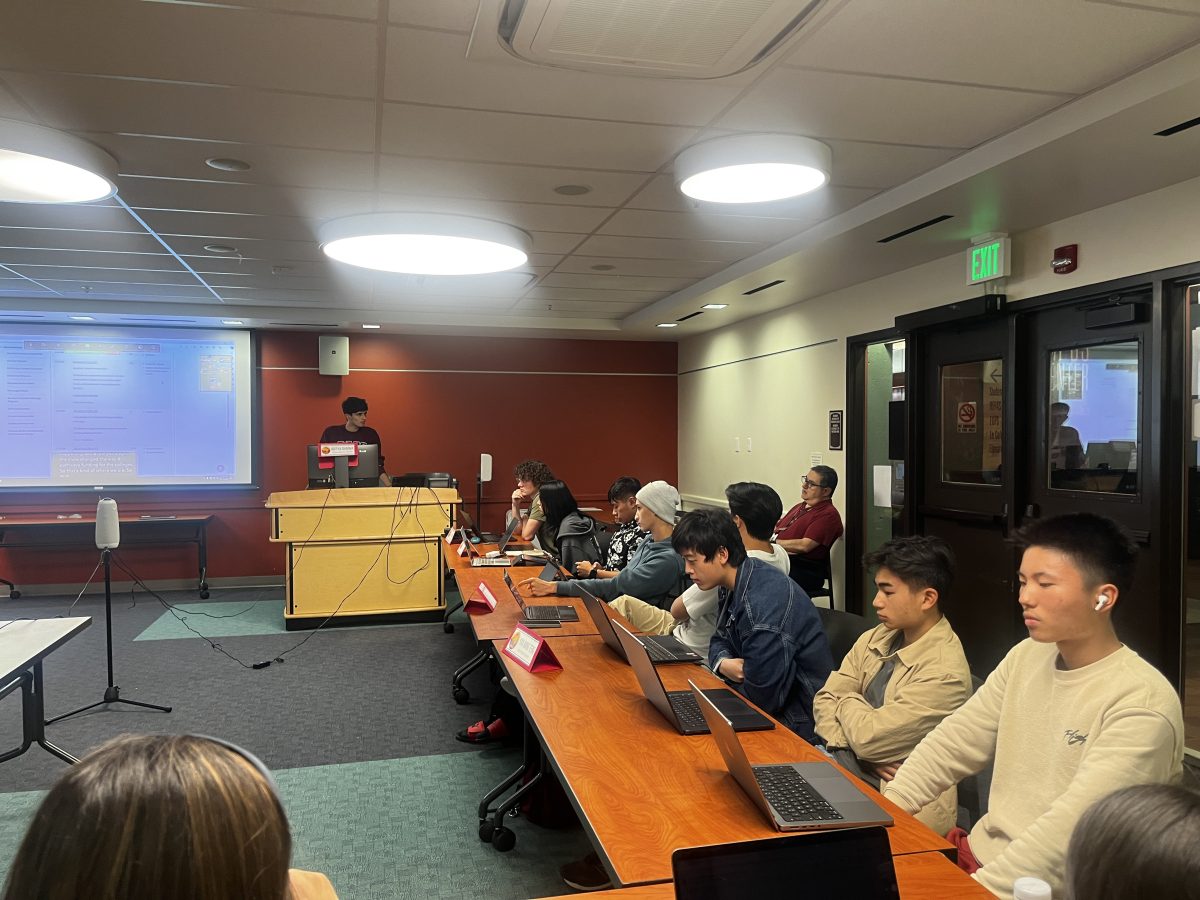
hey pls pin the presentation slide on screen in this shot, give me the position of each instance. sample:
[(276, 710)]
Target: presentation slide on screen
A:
[(97, 406)]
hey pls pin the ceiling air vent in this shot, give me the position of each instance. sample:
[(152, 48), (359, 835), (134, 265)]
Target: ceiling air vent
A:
[(1175, 129), (672, 39), (762, 287), (907, 231)]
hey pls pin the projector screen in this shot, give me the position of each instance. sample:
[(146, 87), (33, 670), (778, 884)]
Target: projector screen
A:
[(107, 407)]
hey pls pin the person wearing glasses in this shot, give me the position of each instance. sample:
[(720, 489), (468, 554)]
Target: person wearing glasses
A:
[(807, 530)]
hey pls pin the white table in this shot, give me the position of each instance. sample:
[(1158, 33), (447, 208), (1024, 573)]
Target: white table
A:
[(24, 643)]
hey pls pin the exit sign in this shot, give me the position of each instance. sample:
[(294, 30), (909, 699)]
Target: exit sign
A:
[(988, 261)]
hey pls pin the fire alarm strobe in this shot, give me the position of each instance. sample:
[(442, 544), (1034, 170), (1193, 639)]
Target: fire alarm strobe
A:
[(1066, 259)]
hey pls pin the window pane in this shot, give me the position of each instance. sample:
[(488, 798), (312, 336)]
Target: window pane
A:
[(883, 460), (972, 422), (1093, 438)]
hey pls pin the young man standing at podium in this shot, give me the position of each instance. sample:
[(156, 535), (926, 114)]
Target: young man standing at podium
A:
[(355, 431)]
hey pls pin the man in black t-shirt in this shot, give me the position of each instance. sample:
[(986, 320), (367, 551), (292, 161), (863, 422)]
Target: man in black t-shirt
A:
[(356, 431)]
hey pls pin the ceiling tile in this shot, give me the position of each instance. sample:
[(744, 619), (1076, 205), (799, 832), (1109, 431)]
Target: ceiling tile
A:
[(458, 15), (451, 178), (223, 45), (668, 248), (698, 226), (883, 165), (167, 158), (10, 108), (574, 293), (529, 216), (870, 108), (67, 239), (554, 242), (609, 310), (662, 194), (533, 140), (611, 282), (1062, 45), (276, 251), (424, 67), (269, 200), (78, 103), (663, 268), (90, 216), (168, 292), (228, 228), (79, 259), (54, 276)]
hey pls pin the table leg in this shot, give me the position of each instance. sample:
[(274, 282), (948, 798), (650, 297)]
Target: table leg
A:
[(33, 715), (202, 554)]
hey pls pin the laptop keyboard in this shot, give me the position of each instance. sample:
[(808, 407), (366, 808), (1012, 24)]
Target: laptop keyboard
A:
[(792, 797), (687, 710), (543, 613), (659, 653)]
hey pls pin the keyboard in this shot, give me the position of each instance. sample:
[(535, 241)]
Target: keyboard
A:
[(792, 797), (659, 653), (543, 613), (684, 705), (491, 561)]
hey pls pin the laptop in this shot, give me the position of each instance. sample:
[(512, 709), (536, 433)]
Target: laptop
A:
[(553, 570), (824, 865), (679, 707), (508, 534), (793, 796), (661, 648), (541, 613)]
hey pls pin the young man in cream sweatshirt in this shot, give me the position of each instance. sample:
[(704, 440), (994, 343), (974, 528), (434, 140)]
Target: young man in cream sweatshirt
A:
[(1068, 716), (902, 678)]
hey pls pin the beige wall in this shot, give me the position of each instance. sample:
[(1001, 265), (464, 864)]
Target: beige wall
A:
[(774, 378)]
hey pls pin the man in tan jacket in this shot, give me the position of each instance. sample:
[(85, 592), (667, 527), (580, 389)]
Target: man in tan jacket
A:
[(1068, 716), (901, 678)]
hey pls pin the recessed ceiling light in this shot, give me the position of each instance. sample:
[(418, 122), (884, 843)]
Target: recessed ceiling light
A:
[(714, 305), (227, 164), (82, 319), (223, 249), (425, 243), (668, 324), (572, 190), (232, 322), (752, 168), (41, 165), (371, 326), (602, 267)]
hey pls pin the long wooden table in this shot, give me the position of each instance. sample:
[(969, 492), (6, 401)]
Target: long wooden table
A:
[(640, 788), (920, 876)]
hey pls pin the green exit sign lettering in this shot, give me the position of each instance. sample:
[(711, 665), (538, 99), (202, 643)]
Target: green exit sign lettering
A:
[(988, 261)]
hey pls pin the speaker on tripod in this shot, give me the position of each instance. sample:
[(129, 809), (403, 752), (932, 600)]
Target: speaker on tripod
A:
[(108, 538)]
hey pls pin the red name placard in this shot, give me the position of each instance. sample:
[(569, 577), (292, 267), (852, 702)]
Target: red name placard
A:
[(530, 651), (482, 600)]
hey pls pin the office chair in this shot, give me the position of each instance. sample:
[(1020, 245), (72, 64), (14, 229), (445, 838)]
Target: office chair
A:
[(842, 629), (826, 588)]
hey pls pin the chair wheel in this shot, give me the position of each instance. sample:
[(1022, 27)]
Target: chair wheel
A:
[(486, 828), (504, 839), (204, 595), (461, 695), (14, 595), (448, 627)]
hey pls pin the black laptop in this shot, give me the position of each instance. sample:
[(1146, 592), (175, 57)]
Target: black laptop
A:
[(794, 796), (662, 648), (824, 865), (679, 707), (541, 613)]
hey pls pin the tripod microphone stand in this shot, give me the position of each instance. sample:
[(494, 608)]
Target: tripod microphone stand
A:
[(112, 694)]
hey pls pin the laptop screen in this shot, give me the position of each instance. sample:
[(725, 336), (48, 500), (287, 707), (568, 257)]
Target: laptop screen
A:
[(818, 865)]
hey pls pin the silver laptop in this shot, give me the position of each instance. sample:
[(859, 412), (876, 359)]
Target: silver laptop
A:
[(661, 648), (541, 614), (793, 796), (679, 707)]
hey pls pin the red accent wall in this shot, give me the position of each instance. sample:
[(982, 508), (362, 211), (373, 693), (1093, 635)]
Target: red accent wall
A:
[(590, 426)]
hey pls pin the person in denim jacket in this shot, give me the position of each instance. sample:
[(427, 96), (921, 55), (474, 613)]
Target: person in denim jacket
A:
[(769, 642)]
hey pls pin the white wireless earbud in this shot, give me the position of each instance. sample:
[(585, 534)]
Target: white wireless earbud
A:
[(1101, 602)]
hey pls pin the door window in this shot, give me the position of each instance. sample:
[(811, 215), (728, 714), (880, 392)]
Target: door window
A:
[(972, 419), (1092, 428)]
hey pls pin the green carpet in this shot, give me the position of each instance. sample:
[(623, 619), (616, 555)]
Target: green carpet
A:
[(395, 828), (234, 618)]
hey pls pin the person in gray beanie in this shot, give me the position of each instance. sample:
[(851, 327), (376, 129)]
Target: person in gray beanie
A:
[(655, 571)]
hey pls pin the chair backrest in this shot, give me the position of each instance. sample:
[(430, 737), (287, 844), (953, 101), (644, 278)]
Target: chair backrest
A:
[(842, 629), (826, 588)]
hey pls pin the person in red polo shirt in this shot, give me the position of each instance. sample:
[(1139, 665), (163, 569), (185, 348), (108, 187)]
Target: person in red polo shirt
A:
[(809, 528)]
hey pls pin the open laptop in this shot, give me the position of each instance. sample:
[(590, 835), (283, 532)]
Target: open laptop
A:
[(794, 796), (541, 613), (824, 865), (661, 648), (679, 707)]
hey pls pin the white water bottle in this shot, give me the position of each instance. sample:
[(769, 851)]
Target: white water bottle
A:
[(1030, 889)]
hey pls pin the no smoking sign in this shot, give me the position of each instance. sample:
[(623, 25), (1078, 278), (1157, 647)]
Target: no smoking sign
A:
[(968, 416)]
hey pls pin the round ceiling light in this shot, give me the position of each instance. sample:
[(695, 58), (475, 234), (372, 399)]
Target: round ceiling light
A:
[(41, 165), (752, 168), (425, 243)]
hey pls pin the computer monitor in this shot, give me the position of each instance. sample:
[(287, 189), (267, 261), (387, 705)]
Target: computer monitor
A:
[(344, 471)]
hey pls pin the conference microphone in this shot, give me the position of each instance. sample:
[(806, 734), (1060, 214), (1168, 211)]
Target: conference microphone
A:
[(108, 526)]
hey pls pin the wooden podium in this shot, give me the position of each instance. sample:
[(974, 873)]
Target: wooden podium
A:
[(361, 552)]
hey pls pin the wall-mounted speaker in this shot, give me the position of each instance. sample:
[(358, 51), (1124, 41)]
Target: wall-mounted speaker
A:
[(334, 354)]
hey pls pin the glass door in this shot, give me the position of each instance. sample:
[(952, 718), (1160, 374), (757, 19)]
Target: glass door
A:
[(1191, 568), (883, 455)]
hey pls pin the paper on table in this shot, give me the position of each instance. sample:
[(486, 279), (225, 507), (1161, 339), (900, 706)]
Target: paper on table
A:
[(883, 486)]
